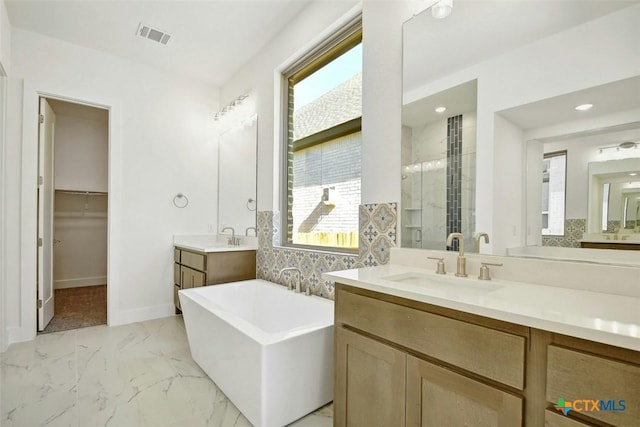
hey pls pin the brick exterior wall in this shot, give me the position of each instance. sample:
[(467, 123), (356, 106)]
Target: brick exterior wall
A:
[(333, 165)]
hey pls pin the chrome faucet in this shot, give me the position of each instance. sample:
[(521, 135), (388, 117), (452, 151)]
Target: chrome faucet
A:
[(478, 236), (233, 241), (297, 282), (461, 270), (255, 231)]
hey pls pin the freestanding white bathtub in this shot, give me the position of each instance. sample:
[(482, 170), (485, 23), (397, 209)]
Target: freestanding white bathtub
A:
[(269, 350)]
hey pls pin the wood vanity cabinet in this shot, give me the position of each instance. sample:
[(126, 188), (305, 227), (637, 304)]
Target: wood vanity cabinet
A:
[(619, 245), (400, 362), (192, 269)]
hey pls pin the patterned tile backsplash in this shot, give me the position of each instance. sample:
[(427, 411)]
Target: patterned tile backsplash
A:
[(377, 225), (573, 231)]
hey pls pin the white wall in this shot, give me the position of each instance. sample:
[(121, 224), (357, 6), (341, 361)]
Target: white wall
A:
[(260, 76), (382, 92), (81, 160), (5, 37), (509, 155), (81, 153), (160, 144), (80, 229)]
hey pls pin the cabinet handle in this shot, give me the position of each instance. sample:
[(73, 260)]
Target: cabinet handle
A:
[(181, 278)]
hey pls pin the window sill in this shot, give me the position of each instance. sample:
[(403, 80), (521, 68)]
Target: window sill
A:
[(322, 249)]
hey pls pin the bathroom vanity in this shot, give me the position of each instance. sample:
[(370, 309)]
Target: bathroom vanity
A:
[(618, 241), (201, 263), (419, 349)]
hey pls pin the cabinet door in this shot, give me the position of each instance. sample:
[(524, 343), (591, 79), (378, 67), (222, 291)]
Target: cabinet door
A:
[(556, 419), (370, 382), (191, 278), (438, 397), (177, 275)]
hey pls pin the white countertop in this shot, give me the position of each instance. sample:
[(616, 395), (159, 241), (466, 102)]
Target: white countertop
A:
[(606, 318), (214, 243)]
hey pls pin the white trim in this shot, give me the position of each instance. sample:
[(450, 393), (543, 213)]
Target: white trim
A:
[(3, 276), (144, 313), (31, 92), (339, 24), (79, 282)]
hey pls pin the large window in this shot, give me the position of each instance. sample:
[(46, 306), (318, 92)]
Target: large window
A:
[(323, 107), (554, 172)]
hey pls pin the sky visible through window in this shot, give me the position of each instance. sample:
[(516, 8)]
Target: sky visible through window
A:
[(328, 77)]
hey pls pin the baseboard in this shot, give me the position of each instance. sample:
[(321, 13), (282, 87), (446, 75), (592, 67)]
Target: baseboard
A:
[(80, 282), (141, 314), (17, 334)]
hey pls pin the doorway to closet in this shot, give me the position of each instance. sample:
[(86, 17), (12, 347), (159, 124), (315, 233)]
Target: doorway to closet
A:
[(73, 144)]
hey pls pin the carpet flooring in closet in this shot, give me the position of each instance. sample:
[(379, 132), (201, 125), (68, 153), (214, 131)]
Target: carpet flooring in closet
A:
[(78, 308)]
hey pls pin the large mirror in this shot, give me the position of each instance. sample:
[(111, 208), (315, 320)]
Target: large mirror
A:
[(237, 154), (525, 81)]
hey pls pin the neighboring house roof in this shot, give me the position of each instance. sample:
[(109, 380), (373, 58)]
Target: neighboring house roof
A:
[(339, 105)]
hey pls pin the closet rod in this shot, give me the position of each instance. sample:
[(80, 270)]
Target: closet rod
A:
[(83, 193)]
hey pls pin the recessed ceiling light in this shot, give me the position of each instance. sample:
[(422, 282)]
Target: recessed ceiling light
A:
[(584, 107), (633, 174), (440, 110)]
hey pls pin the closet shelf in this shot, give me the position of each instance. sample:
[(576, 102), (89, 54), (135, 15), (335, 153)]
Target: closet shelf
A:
[(83, 193)]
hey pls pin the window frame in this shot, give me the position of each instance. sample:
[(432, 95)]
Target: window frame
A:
[(349, 36), (566, 167)]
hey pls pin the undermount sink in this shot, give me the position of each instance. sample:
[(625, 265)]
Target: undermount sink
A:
[(445, 282)]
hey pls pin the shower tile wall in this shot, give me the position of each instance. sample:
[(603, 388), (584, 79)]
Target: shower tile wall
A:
[(426, 201), (377, 225), (454, 177)]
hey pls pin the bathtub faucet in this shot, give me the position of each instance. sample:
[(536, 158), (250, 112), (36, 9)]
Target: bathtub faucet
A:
[(297, 281)]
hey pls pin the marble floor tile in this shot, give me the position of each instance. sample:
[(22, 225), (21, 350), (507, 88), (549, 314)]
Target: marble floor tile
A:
[(140, 374)]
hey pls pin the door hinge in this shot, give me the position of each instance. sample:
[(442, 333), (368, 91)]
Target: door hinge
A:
[(40, 180), (41, 118), (39, 303), (39, 241)]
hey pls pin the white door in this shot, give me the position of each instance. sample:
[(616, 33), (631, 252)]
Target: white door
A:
[(45, 214)]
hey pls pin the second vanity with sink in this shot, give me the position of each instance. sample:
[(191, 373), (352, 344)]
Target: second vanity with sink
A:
[(203, 260), (418, 348)]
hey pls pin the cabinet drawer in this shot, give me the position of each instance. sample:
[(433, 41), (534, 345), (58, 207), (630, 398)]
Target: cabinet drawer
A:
[(194, 260), (176, 274), (556, 419), (225, 267), (576, 376), (176, 298), (493, 354), (176, 254)]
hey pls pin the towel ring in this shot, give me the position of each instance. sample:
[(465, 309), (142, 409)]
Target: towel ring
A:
[(249, 201), (178, 203)]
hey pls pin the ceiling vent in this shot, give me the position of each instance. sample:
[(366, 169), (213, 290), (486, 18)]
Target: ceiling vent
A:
[(148, 32)]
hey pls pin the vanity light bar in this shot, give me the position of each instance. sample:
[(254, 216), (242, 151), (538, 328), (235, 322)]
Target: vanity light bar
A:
[(230, 107), (624, 145)]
